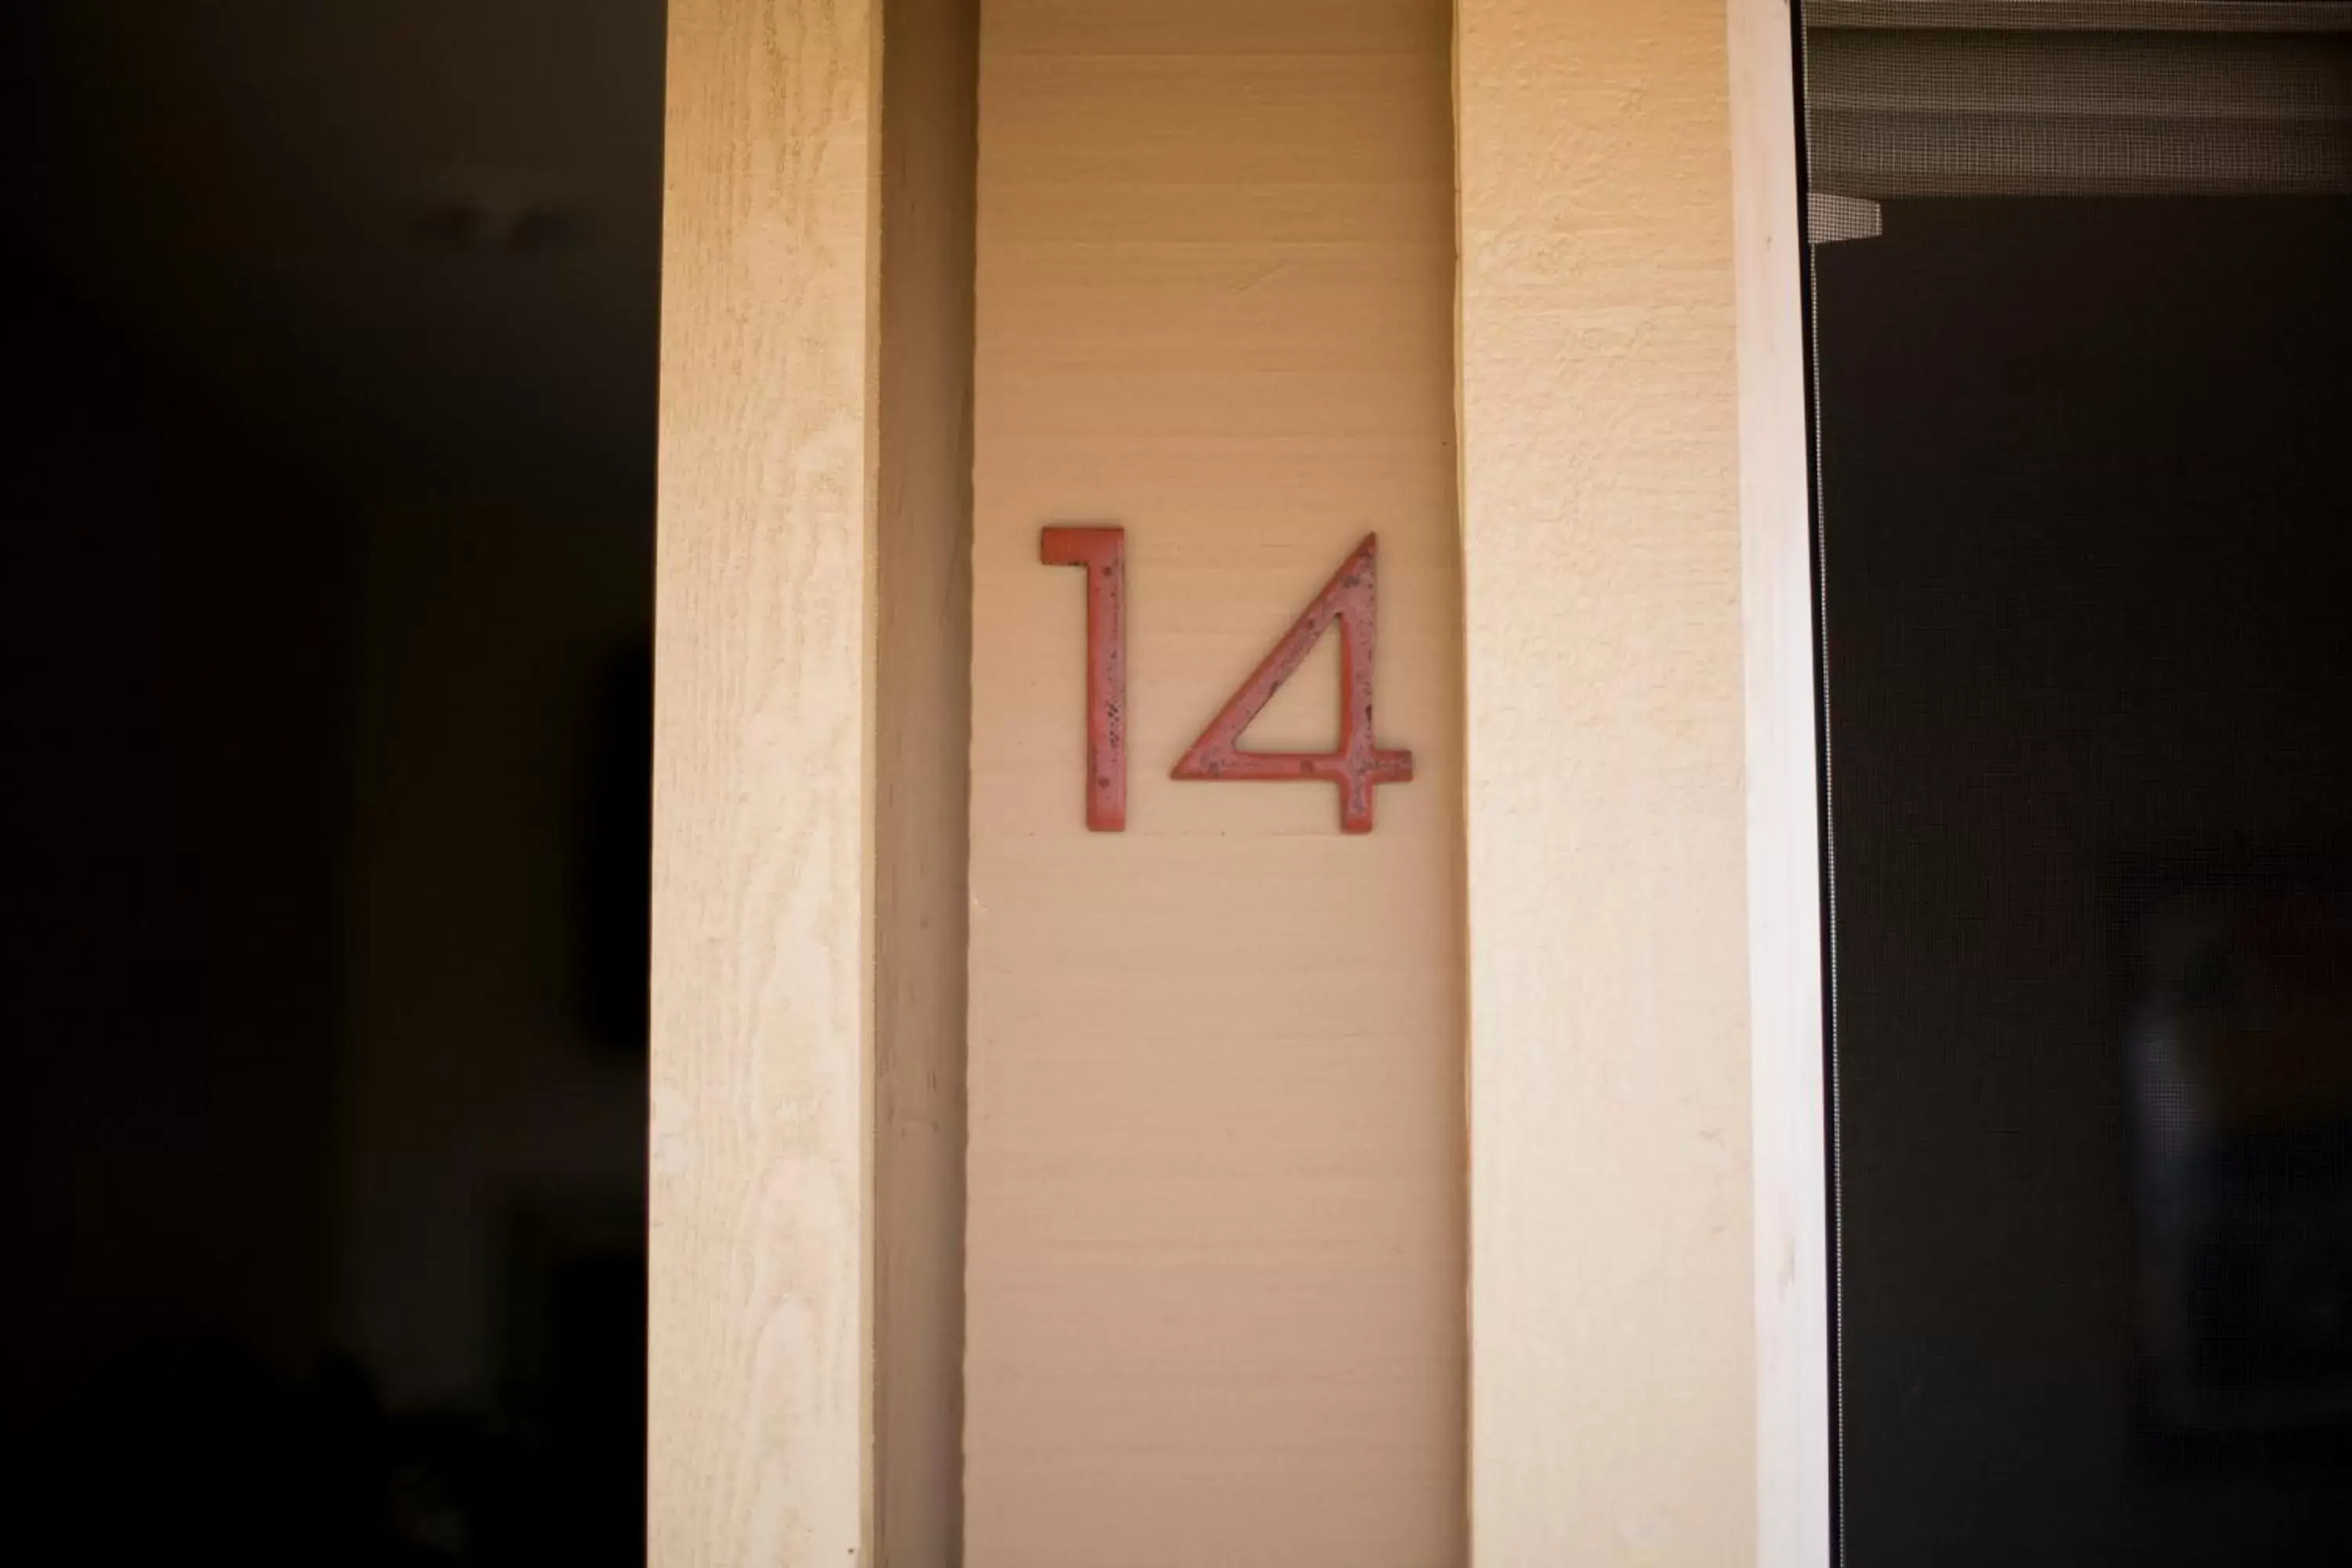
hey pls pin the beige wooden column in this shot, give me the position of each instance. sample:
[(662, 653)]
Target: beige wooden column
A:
[(811, 733), (763, 699), (1620, 333)]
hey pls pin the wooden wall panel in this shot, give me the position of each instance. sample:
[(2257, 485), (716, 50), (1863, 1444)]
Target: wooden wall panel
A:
[(1612, 1308), (811, 741), (758, 1356), (757, 1359), (1215, 1246)]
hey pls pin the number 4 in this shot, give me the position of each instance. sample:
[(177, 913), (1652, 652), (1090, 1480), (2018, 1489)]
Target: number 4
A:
[(1350, 598)]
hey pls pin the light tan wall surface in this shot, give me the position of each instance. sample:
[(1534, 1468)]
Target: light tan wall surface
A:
[(1613, 1311), (1215, 1285)]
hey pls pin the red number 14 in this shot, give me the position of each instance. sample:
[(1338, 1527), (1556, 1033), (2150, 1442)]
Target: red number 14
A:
[(1350, 598)]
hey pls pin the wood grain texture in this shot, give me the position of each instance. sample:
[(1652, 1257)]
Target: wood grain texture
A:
[(759, 1425), (1215, 1287), (1612, 1308), (1784, 908)]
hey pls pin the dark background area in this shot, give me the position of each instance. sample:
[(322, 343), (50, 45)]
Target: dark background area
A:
[(325, 601), (2087, 529)]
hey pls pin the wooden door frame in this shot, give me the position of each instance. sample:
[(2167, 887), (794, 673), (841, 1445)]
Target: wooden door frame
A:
[(1646, 980), (1649, 1297)]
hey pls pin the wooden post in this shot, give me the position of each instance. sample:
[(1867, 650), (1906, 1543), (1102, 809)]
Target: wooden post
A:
[(761, 1301), (1633, 471), (813, 648)]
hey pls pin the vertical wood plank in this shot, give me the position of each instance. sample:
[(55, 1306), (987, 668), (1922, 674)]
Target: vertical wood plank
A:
[(922, 745), (1784, 909), (760, 1304), (1612, 1308)]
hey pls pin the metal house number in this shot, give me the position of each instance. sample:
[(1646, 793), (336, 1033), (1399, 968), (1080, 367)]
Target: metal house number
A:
[(1350, 598)]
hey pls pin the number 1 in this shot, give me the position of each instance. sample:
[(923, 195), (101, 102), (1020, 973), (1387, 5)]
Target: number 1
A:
[(1103, 552)]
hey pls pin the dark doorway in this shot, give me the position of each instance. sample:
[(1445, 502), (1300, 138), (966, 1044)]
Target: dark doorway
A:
[(326, 593), (2087, 526)]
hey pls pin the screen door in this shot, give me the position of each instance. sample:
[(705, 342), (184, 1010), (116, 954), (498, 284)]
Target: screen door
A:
[(2082, 325)]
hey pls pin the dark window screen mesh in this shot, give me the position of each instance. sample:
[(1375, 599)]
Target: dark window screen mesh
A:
[(2084, 412)]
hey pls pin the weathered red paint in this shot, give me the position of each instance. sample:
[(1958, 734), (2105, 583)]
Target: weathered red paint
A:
[(1350, 598), (1103, 552)]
